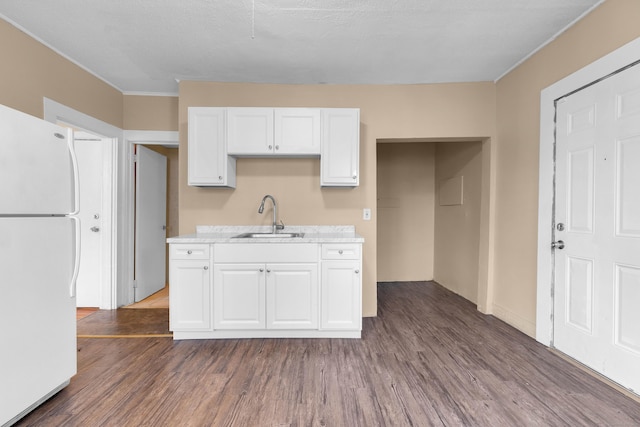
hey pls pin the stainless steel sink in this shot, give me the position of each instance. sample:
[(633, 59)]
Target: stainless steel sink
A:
[(268, 235)]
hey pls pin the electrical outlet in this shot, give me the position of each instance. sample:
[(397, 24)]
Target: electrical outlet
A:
[(366, 214)]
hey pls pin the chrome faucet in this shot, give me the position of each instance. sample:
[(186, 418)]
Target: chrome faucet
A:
[(275, 224)]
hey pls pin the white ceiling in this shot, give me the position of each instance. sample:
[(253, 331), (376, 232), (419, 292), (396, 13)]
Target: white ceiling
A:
[(145, 46)]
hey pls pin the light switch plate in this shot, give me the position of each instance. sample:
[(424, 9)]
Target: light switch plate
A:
[(366, 214)]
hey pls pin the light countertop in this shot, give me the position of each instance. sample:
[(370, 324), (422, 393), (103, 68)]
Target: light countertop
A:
[(312, 234)]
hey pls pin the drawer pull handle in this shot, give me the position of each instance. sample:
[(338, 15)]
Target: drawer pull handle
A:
[(261, 270), (189, 252), (268, 271), (340, 251)]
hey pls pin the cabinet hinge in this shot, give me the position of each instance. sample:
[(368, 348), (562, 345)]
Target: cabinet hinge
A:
[(135, 158), (135, 284)]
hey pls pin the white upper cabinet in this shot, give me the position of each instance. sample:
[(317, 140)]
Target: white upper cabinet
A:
[(218, 135), (273, 131), (209, 164), (297, 131), (250, 131), (340, 157)]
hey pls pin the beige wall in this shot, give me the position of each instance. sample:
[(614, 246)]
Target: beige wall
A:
[(608, 27), (457, 227), (408, 111), (405, 193), (150, 112), (31, 71)]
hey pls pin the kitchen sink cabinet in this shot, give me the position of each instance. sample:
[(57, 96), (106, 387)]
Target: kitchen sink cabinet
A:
[(208, 162), (265, 290), (265, 296), (340, 156), (190, 290)]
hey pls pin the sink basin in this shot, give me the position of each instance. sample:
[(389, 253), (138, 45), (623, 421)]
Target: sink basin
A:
[(268, 235)]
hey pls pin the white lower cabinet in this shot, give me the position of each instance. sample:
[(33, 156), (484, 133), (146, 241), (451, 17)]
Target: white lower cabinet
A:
[(262, 290), (292, 296), (265, 296), (190, 290), (341, 302), (341, 297), (238, 296)]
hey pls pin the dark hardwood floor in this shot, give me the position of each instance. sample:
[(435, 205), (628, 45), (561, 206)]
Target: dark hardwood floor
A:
[(428, 359)]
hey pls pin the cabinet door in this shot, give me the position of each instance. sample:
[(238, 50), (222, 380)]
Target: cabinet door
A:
[(239, 296), (209, 164), (292, 296), (339, 161), (190, 295), (297, 131), (341, 295), (250, 131)]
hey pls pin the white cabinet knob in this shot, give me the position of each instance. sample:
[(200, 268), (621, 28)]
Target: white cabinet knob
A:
[(189, 252), (206, 267), (340, 251), (357, 271), (261, 270)]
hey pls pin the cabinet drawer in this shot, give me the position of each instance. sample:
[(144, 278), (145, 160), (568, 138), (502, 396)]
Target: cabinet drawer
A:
[(341, 251), (187, 251)]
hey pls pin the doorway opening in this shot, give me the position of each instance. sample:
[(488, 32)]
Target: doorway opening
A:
[(150, 224), (432, 205)]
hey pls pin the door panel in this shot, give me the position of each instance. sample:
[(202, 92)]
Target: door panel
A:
[(627, 179), (597, 274), (90, 166), (151, 217)]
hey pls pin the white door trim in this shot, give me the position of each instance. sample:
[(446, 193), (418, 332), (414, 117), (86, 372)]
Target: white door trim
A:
[(55, 112), (604, 66), (132, 137)]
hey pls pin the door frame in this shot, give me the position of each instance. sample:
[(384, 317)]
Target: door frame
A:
[(610, 63), (133, 137), (55, 112)]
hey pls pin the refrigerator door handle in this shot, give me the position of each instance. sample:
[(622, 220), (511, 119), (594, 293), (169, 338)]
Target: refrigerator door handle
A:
[(76, 174), (76, 261)]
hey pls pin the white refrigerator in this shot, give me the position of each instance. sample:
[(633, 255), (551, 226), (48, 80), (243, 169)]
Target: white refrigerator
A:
[(39, 260)]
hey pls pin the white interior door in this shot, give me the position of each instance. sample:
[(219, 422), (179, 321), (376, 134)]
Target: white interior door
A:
[(150, 224), (597, 217), (90, 171)]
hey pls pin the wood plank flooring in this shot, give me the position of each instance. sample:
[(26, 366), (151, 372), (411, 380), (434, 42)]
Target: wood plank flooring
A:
[(428, 359)]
